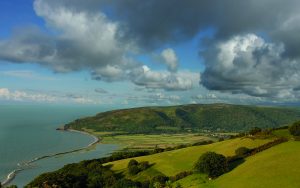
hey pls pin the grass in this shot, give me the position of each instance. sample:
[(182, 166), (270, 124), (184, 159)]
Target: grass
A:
[(142, 141), (283, 133), (193, 181), (172, 162), (150, 141), (276, 167)]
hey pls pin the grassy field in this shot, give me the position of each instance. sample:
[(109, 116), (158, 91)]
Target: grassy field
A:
[(276, 167), (194, 181), (142, 141), (150, 141), (283, 133), (172, 162)]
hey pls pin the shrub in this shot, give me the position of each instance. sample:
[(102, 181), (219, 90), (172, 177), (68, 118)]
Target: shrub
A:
[(133, 170), (205, 142), (160, 179), (177, 185), (143, 165), (242, 151), (255, 130), (295, 129), (126, 183), (132, 162), (212, 164), (180, 175)]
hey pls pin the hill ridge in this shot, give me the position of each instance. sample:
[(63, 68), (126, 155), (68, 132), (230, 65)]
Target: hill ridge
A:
[(188, 118)]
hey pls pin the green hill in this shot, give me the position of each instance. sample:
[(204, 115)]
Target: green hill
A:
[(214, 117), (172, 162), (276, 167)]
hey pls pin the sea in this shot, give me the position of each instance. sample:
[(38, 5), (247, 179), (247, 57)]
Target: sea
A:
[(29, 131)]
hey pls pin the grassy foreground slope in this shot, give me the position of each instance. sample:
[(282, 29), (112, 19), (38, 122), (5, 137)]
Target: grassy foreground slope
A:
[(278, 166), (172, 162), (222, 117)]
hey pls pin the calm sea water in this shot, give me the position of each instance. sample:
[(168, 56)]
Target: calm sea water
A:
[(28, 131)]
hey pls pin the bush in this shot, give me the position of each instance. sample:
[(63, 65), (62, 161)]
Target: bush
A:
[(242, 151), (295, 129), (180, 175), (143, 165), (205, 142), (126, 183), (132, 162), (133, 170), (134, 167), (160, 179), (212, 164), (255, 130)]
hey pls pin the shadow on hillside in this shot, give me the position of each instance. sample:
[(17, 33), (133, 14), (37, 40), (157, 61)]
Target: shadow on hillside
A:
[(122, 174), (232, 165)]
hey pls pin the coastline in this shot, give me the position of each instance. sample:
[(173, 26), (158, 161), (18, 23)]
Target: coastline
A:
[(23, 166), (96, 139)]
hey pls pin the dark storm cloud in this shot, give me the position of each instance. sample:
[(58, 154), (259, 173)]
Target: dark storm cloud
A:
[(155, 22)]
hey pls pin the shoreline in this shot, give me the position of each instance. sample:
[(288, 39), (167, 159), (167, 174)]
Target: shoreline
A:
[(23, 166), (96, 139)]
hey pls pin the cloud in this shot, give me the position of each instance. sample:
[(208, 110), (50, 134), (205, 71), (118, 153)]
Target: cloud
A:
[(41, 97), (101, 90), (157, 98), (85, 39), (24, 96), (148, 78), (81, 40), (248, 64), (27, 74), (170, 59), (97, 36), (153, 24), (207, 96)]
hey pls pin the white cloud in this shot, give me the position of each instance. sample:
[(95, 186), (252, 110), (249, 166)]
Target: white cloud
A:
[(39, 97), (148, 78), (170, 59), (249, 64), (88, 40)]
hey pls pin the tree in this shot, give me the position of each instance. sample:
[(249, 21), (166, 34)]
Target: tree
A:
[(157, 185), (160, 178), (132, 162), (212, 164), (133, 170), (242, 151), (168, 184), (143, 165), (295, 129), (255, 130)]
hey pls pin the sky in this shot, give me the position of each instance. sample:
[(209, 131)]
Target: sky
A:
[(139, 53)]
